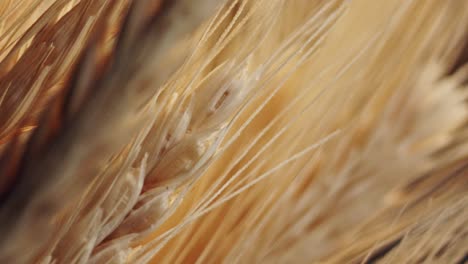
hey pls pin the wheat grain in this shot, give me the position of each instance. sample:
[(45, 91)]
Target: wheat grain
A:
[(275, 132)]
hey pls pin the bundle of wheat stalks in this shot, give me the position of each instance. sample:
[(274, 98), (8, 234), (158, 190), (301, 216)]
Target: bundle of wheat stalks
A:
[(240, 131)]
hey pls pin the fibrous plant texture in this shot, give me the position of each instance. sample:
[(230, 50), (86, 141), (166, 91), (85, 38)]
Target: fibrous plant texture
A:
[(239, 131)]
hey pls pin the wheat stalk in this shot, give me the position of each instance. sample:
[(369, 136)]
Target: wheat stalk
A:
[(264, 132)]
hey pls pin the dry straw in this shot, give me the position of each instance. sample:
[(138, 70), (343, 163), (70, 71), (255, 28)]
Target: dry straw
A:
[(241, 131)]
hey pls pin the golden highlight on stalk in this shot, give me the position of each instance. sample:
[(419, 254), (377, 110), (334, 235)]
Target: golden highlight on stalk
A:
[(235, 131)]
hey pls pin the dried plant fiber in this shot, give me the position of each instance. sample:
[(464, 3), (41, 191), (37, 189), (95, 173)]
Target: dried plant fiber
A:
[(233, 131)]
